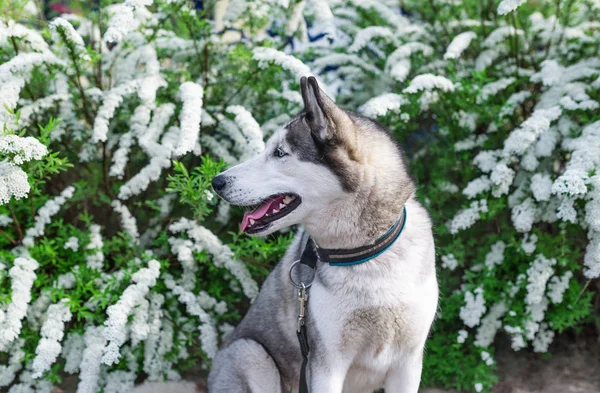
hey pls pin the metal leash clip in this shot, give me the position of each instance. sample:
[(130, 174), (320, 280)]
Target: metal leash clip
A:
[(302, 300)]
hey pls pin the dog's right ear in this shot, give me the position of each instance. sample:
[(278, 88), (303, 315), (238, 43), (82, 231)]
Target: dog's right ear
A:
[(316, 118)]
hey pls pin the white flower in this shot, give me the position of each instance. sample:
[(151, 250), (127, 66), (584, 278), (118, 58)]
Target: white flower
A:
[(521, 138), (462, 336), (9, 371), (486, 58), (121, 23), (128, 222), (427, 82), (449, 187), (190, 117), (222, 255), (151, 172), (73, 352), (96, 259), (486, 160), (478, 387), (250, 130), (543, 339), (91, 359), (477, 186), (502, 177), (366, 35), (557, 287), (473, 308), (496, 254), (490, 324), (537, 276), (44, 215), (72, 244), (513, 102), (51, 333), (13, 183), (5, 220), (265, 55), (541, 186), (449, 262), (551, 73), (507, 6), (382, 105), (22, 274), (459, 44), (115, 330), (112, 100), (208, 332), (487, 358), (591, 259), (499, 35), (529, 242), (467, 217), (491, 89), (22, 149), (59, 27)]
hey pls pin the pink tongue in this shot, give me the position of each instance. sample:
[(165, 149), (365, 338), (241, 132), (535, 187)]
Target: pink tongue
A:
[(260, 212)]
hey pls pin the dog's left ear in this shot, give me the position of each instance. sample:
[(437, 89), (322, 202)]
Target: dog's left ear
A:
[(323, 116)]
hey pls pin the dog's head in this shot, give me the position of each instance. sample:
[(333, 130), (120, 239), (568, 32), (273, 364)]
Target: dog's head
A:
[(316, 161)]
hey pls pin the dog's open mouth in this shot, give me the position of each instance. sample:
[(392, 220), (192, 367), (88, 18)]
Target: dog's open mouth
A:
[(271, 209)]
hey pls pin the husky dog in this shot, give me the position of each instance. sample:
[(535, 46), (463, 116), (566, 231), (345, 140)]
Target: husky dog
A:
[(343, 179)]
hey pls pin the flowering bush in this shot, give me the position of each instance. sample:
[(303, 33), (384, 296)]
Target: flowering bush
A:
[(119, 264)]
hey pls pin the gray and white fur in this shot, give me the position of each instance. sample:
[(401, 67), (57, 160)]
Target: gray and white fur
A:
[(367, 324)]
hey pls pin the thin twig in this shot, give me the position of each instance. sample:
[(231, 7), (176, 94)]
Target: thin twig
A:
[(10, 239), (12, 213)]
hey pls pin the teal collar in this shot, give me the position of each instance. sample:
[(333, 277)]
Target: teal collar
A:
[(354, 256)]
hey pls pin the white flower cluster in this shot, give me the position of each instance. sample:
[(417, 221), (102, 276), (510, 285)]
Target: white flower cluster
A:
[(366, 35), (496, 254), (467, 217), (96, 259), (474, 307), (22, 274), (91, 359), (44, 215), (52, 333), (208, 333), (13, 183), (72, 243), (22, 149), (428, 82), (507, 6), (459, 44), (115, 331), (190, 117), (250, 130), (222, 254), (449, 262), (128, 222), (61, 28), (383, 104)]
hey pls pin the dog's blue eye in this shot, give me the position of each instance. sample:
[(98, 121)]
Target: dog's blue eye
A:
[(279, 152)]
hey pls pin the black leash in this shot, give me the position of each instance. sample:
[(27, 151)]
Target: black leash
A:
[(335, 257)]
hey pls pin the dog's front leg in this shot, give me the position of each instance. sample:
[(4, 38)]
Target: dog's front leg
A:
[(327, 372), (405, 375)]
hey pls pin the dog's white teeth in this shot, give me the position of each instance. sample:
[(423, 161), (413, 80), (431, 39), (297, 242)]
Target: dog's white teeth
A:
[(252, 222), (288, 199), (282, 206), (275, 211), (267, 215)]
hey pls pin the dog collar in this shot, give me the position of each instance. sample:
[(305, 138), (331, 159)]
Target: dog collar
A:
[(353, 256)]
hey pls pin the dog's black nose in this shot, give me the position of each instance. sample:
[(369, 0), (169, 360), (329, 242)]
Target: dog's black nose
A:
[(218, 183)]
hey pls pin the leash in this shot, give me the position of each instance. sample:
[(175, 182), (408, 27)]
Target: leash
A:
[(335, 257)]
